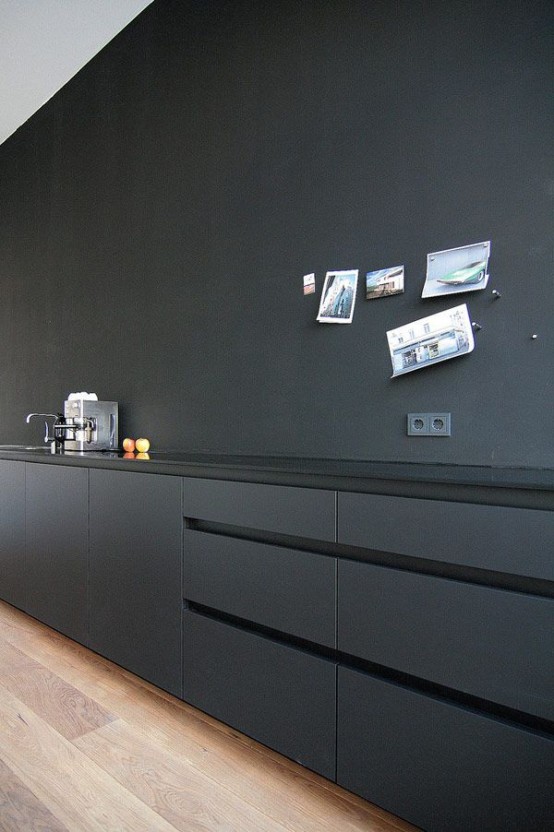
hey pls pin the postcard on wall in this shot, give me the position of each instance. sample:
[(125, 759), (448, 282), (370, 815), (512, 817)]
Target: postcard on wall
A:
[(429, 340), (309, 284), (385, 282), (338, 297), (464, 269)]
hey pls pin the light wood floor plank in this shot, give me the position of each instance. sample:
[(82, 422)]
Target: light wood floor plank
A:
[(234, 764), (75, 790), (176, 790), (20, 809), (11, 658), (266, 778), (60, 704)]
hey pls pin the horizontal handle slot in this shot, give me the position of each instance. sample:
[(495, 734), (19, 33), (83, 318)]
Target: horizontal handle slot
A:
[(507, 715), (424, 566)]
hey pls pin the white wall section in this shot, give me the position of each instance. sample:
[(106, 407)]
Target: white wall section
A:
[(43, 43)]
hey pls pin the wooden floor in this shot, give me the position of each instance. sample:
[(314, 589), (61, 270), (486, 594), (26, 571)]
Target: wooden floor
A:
[(85, 745)]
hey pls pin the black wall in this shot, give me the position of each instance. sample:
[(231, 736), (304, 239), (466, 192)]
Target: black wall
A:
[(158, 214)]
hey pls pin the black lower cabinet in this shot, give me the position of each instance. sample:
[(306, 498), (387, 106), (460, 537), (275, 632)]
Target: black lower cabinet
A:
[(273, 692), (13, 586), (440, 766), (57, 547), (102, 556), (135, 573)]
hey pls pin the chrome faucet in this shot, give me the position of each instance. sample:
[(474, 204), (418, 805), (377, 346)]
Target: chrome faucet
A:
[(80, 428), (57, 425)]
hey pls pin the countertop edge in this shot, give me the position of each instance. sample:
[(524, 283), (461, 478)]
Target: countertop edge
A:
[(527, 487)]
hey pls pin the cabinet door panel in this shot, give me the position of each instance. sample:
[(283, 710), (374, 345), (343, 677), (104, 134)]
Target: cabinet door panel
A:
[(487, 642), (440, 766), (281, 696), (288, 590), (12, 533), (57, 547), (511, 540), (302, 512), (135, 573)]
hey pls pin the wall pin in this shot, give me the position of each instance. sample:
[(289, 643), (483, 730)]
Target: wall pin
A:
[(476, 326), (496, 294)]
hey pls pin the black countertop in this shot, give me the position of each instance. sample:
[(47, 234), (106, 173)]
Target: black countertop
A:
[(532, 487)]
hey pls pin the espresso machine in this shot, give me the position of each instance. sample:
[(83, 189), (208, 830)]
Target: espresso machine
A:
[(90, 425), (86, 424)]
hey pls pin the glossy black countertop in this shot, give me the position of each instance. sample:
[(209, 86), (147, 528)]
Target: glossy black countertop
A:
[(533, 487)]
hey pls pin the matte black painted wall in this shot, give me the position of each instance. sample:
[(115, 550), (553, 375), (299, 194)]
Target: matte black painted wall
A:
[(158, 214)]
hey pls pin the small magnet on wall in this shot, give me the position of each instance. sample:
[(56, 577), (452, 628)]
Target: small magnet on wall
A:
[(476, 326), (496, 294)]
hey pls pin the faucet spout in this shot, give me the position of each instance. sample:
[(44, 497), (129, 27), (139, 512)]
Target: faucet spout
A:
[(43, 415), (58, 421)]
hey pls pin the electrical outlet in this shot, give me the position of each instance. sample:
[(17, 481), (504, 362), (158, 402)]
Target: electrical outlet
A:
[(440, 424), (429, 424)]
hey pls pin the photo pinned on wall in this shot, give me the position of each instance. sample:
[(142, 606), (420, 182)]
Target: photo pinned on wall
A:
[(429, 340), (309, 284), (464, 269), (384, 282), (338, 297)]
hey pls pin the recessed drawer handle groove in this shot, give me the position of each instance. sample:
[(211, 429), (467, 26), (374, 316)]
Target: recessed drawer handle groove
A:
[(508, 715), (439, 569), (319, 547)]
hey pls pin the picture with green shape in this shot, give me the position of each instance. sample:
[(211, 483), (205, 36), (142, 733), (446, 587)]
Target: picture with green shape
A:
[(464, 269)]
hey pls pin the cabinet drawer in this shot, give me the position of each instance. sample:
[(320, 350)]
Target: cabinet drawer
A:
[(286, 589), (487, 642), (439, 766), (276, 694), (513, 540), (303, 512)]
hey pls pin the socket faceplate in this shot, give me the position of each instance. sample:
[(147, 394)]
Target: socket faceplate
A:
[(429, 424)]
